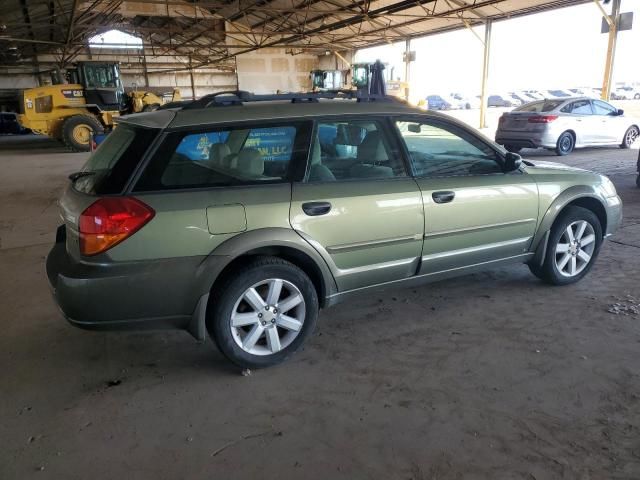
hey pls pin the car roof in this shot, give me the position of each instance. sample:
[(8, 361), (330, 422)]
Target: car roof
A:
[(270, 110)]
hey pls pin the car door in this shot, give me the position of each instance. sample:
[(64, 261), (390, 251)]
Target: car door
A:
[(210, 184), (611, 128), (474, 212), (357, 205), (585, 124)]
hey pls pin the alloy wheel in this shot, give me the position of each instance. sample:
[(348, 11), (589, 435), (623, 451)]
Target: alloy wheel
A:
[(631, 136), (566, 142), (575, 248), (268, 317)]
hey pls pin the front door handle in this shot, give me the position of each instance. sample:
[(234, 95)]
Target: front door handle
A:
[(443, 197), (313, 209)]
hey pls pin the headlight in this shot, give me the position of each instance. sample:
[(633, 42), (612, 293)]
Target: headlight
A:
[(608, 188)]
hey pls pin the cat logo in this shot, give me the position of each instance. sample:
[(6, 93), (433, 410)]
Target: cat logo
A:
[(72, 93)]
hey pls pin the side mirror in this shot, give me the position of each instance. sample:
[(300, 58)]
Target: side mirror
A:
[(620, 112), (512, 161)]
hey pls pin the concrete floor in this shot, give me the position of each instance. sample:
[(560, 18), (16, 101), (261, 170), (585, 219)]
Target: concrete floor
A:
[(490, 376)]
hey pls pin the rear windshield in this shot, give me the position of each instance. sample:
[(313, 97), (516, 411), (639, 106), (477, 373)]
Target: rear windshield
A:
[(114, 160), (541, 106)]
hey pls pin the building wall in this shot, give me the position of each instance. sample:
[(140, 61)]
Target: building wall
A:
[(273, 69)]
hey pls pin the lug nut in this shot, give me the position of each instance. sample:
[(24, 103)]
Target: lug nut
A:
[(275, 311), (267, 307), (264, 323), (273, 320), (259, 315)]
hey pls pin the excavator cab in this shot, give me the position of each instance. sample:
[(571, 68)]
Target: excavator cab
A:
[(102, 85)]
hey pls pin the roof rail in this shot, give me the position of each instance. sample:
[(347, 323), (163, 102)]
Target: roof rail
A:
[(239, 97)]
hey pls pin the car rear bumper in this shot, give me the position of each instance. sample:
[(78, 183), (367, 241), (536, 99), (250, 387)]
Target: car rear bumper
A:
[(526, 139), (161, 293)]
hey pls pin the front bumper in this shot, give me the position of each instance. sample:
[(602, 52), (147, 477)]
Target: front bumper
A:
[(614, 214), (151, 294)]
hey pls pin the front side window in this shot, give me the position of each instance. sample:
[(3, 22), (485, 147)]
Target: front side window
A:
[(352, 150), (241, 155), (438, 150), (602, 108), (580, 107)]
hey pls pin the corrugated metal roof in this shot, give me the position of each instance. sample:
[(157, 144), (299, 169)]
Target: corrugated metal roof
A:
[(211, 31)]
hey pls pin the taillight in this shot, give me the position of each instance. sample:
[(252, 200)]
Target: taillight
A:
[(543, 118), (109, 221)]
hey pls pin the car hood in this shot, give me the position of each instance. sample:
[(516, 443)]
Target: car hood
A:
[(540, 166)]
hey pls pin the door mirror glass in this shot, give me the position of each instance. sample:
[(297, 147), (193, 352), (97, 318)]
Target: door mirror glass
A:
[(414, 127), (512, 161)]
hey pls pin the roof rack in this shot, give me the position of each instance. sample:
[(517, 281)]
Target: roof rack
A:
[(240, 97)]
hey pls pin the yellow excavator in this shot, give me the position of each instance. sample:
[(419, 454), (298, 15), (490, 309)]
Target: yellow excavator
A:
[(87, 105)]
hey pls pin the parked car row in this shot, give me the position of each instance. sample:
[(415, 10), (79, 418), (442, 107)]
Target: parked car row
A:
[(459, 101)]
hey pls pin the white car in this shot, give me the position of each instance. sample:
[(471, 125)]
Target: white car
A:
[(564, 124), (625, 93)]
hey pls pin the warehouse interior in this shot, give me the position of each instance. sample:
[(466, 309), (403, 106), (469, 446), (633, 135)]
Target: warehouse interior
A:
[(487, 376)]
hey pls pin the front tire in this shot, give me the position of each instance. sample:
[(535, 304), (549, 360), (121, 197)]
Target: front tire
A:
[(565, 144), (630, 136), (264, 313), (76, 132), (574, 244)]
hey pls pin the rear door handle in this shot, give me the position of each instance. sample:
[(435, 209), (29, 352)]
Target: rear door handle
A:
[(313, 209), (443, 197)]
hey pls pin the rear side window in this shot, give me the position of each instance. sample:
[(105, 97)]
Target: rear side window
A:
[(540, 106), (239, 155), (115, 159)]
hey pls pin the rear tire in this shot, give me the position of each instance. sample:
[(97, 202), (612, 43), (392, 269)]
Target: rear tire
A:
[(565, 144), (565, 261), (630, 136), (513, 148), (263, 313), (76, 130)]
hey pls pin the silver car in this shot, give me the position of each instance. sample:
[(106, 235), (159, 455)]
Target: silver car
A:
[(562, 124)]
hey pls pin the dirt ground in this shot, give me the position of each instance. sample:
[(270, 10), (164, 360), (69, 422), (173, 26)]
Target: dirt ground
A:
[(490, 376)]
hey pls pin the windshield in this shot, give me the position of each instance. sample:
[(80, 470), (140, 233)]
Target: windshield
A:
[(101, 76), (111, 165), (541, 106)]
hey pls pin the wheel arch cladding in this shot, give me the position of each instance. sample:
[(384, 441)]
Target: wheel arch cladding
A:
[(292, 255), (279, 242), (594, 205), (581, 196)]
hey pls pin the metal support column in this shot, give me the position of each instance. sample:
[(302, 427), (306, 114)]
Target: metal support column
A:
[(611, 48), (193, 84), (485, 72), (407, 67)]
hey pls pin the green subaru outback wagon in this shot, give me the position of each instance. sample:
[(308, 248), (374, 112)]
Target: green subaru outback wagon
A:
[(241, 215)]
